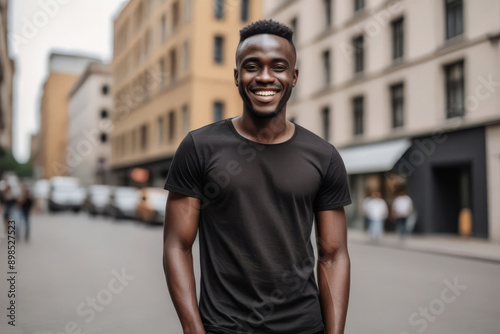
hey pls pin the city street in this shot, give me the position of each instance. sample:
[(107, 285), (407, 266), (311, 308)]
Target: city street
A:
[(105, 277)]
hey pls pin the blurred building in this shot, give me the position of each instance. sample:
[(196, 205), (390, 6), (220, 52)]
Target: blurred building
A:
[(173, 72), (408, 91), (6, 75), (64, 71), (89, 125)]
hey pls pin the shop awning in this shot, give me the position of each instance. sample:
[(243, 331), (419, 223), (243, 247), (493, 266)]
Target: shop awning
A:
[(374, 158)]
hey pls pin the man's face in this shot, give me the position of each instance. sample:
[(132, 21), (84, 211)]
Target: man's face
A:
[(265, 74)]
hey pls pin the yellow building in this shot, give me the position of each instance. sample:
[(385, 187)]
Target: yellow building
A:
[(64, 71), (6, 75), (173, 72)]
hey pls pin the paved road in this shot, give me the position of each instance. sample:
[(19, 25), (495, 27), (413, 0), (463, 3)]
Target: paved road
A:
[(105, 277)]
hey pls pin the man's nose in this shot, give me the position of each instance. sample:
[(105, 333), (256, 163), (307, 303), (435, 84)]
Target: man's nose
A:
[(265, 76)]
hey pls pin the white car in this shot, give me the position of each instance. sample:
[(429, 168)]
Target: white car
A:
[(123, 202), (65, 193), (98, 197)]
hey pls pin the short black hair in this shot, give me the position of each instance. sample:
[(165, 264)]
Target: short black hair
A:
[(267, 27)]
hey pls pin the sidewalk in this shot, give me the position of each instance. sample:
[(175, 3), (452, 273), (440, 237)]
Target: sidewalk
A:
[(477, 249)]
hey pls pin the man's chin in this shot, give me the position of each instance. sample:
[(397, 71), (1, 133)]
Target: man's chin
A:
[(263, 114)]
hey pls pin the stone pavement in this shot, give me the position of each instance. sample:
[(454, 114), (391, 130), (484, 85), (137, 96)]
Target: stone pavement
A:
[(472, 248)]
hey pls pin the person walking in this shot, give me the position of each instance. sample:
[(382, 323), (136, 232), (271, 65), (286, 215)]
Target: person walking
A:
[(26, 205), (252, 185), (402, 208), (376, 211), (8, 202)]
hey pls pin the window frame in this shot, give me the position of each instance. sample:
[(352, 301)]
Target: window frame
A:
[(453, 88)]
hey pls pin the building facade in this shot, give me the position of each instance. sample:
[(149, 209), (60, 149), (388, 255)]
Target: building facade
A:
[(89, 125), (409, 93), (173, 72), (64, 71), (6, 75)]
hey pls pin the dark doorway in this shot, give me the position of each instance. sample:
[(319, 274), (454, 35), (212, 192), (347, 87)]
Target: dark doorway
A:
[(452, 189)]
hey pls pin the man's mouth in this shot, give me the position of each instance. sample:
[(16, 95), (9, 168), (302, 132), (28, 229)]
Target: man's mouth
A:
[(265, 92), (264, 95)]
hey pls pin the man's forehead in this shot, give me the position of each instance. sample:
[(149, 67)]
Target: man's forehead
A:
[(263, 43)]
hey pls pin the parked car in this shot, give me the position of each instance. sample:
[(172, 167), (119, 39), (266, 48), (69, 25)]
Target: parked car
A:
[(98, 197), (151, 207), (40, 191), (65, 193), (123, 202)]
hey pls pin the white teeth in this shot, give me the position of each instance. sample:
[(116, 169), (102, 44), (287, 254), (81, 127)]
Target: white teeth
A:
[(265, 93)]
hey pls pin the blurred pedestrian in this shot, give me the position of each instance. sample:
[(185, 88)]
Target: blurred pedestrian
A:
[(402, 208), (8, 201), (16, 215), (26, 204), (376, 211)]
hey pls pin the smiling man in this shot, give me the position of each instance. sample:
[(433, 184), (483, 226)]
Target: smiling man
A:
[(252, 185)]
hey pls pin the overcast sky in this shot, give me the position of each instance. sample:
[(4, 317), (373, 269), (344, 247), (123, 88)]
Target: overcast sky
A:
[(38, 27)]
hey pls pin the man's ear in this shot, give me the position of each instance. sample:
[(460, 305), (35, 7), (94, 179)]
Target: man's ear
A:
[(236, 81), (295, 77)]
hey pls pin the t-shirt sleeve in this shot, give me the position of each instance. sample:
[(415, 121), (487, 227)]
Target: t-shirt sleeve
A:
[(334, 189), (185, 175)]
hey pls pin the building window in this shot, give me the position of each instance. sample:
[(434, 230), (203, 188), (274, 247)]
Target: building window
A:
[(218, 49), (455, 89), (104, 113), (219, 9), (187, 10), (171, 126), (397, 102), (327, 67), (173, 66), (175, 15), (454, 18), (218, 111), (186, 56), (397, 39), (185, 119), (162, 73), (104, 137), (328, 12), (105, 89), (144, 137), (244, 10), (359, 53), (294, 25), (325, 115), (357, 106), (359, 5), (160, 127), (163, 29)]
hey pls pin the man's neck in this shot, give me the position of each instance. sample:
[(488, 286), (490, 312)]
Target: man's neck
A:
[(264, 130)]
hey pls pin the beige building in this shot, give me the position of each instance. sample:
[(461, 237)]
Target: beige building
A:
[(64, 71), (408, 87), (89, 125), (173, 72), (6, 75)]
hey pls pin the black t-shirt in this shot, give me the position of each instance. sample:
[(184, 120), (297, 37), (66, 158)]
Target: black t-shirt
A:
[(257, 208)]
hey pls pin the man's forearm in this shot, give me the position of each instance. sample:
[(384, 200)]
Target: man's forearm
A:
[(178, 267), (334, 275)]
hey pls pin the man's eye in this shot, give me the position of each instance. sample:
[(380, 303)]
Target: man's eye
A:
[(250, 67), (280, 68)]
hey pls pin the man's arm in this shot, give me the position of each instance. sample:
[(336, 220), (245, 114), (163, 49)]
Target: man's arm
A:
[(334, 268), (179, 233)]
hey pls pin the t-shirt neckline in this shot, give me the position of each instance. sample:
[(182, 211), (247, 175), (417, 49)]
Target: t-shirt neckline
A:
[(290, 140)]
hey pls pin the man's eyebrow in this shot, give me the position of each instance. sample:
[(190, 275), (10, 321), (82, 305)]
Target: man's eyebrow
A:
[(257, 60)]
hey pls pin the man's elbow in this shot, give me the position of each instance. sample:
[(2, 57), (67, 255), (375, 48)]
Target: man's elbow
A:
[(334, 256)]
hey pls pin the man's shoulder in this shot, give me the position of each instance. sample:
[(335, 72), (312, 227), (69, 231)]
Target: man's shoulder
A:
[(312, 140), (208, 131)]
